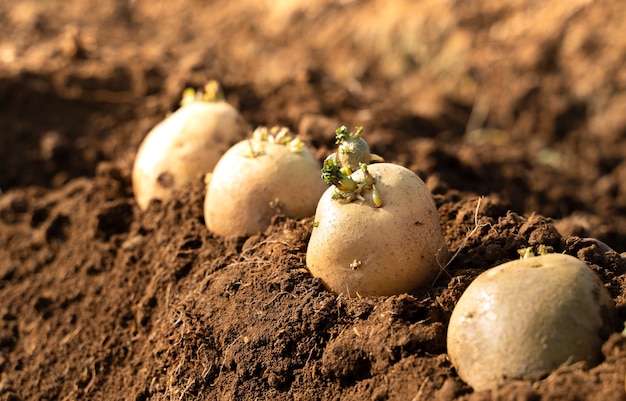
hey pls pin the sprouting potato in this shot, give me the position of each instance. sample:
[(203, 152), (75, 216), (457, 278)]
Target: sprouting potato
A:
[(352, 150), (269, 174), (525, 318), (376, 231), (187, 144)]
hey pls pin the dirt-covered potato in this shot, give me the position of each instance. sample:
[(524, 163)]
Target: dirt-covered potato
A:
[(525, 318), (187, 144), (269, 174), (376, 232)]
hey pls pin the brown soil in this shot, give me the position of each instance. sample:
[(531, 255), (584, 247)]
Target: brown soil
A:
[(521, 103)]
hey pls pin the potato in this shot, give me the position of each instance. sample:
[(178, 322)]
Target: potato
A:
[(525, 318), (379, 235), (185, 145), (272, 173)]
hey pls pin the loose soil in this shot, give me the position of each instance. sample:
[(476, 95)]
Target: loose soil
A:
[(512, 113)]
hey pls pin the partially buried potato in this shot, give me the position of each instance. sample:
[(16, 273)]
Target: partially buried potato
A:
[(272, 173), (527, 317), (186, 145), (376, 232)]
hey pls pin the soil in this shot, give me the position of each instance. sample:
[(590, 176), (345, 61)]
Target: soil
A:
[(512, 113)]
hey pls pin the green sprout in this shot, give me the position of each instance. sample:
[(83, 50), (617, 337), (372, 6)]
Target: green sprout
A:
[(526, 253), (332, 174), (278, 135), (347, 189), (378, 202), (352, 154), (212, 93), (189, 96), (352, 149), (344, 135)]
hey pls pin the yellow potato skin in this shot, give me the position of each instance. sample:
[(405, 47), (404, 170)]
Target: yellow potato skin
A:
[(245, 192), (525, 318), (184, 146), (360, 250)]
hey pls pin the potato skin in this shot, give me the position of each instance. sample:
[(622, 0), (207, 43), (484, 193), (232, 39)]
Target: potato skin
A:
[(241, 197), (525, 318), (184, 146), (360, 250)]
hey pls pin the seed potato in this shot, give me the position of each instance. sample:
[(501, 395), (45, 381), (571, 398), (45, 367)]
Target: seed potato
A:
[(525, 318), (272, 173), (188, 143), (386, 241)]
